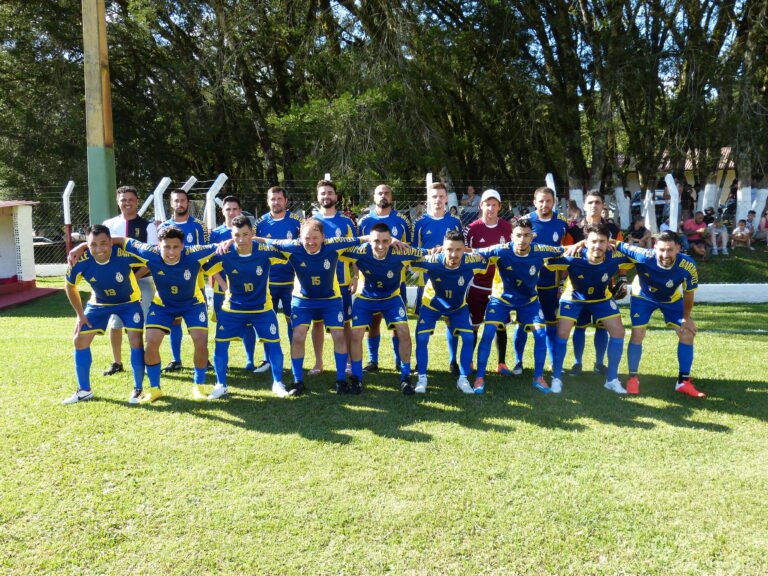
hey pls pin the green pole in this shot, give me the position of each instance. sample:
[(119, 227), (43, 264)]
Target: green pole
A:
[(98, 114)]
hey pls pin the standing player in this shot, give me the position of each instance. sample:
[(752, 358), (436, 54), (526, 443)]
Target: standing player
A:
[(129, 224), (279, 224), (589, 276), (108, 269), (661, 273), (488, 230), (194, 233), (400, 230), (335, 225), (382, 267), (247, 305), (549, 228), (449, 274), (429, 231), (518, 265)]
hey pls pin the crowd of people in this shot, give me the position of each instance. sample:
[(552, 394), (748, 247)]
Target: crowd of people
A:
[(557, 277)]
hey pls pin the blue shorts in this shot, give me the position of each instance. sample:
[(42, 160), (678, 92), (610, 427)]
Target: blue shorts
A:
[(218, 300), (640, 310), (392, 309), (585, 319), (529, 315), (346, 301), (457, 318), (600, 310), (282, 294), (304, 311), (162, 317), (231, 325), (548, 303), (130, 314)]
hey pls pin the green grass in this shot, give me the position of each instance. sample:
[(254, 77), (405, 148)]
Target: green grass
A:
[(513, 482), (741, 266)]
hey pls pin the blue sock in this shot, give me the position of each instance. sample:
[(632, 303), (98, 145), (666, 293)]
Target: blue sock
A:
[(290, 331), (373, 348), (601, 345), (422, 352), (615, 350), (341, 365), (405, 368), (453, 345), (137, 365), (561, 345), (297, 367), (539, 352), (199, 376), (634, 353), (467, 350), (249, 345), (551, 341), (578, 339), (685, 359), (221, 361), (83, 361), (484, 349), (396, 349), (175, 340), (153, 374), (521, 337), (357, 369), (275, 358)]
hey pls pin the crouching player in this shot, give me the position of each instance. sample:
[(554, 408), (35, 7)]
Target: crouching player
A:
[(517, 265), (247, 304), (661, 272), (107, 269), (449, 274), (587, 287)]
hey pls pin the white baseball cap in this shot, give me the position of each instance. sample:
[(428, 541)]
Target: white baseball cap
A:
[(491, 193)]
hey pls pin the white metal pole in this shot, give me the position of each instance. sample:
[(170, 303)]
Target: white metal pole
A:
[(67, 214), (158, 196), (210, 204), (674, 202)]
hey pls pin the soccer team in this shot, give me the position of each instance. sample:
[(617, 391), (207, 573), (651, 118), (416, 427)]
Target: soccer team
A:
[(553, 277)]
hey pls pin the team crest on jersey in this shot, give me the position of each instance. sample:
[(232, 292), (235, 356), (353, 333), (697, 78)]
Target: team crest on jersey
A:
[(341, 317), (461, 281), (190, 238), (394, 230), (669, 283), (613, 305), (326, 264), (187, 274), (137, 317), (202, 316), (259, 271), (272, 329), (555, 236), (119, 277), (532, 270), (604, 278), (289, 235), (338, 232), (390, 274), (401, 311)]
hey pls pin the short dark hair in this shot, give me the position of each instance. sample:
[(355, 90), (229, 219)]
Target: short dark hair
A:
[(595, 193), (380, 227), (179, 191), (742, 220), (544, 190), (127, 190), (242, 221), (278, 190), (171, 232), (97, 229), (751, 212), (522, 223), (234, 199), (668, 236), (326, 183), (597, 228), (438, 186), (454, 236)]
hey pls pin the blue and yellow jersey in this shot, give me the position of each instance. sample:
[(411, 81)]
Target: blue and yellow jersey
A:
[(551, 232), (429, 231), (176, 284), (398, 225), (219, 234), (112, 282), (382, 277), (195, 232), (659, 284), (588, 282), (248, 289), (517, 276), (448, 286), (316, 272), (286, 228), (339, 226)]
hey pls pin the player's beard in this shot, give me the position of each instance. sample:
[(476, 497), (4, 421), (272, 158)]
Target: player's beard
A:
[(180, 212), (384, 204), (326, 204)]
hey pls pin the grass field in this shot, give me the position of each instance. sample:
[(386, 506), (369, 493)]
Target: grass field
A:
[(512, 482)]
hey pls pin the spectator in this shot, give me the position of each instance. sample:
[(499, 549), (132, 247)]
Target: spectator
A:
[(470, 203), (709, 215), (718, 237), (574, 214), (687, 202), (696, 230), (684, 245), (741, 235), (762, 228), (639, 235), (751, 223)]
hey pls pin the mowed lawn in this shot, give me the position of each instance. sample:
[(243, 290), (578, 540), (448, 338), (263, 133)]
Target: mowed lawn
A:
[(512, 482)]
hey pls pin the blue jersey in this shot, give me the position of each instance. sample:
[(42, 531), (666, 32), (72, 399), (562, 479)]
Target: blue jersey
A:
[(338, 226), (285, 228), (659, 284), (588, 282), (220, 234), (429, 231), (517, 276), (551, 232), (398, 226), (176, 284), (112, 282), (316, 272), (248, 289), (382, 277), (448, 286), (195, 232)]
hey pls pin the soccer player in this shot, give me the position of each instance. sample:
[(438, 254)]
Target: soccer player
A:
[(194, 233), (335, 225), (129, 224), (449, 274), (517, 264), (383, 268), (488, 230), (589, 275), (400, 230), (279, 224), (549, 228), (247, 305), (108, 270), (429, 230), (661, 273)]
